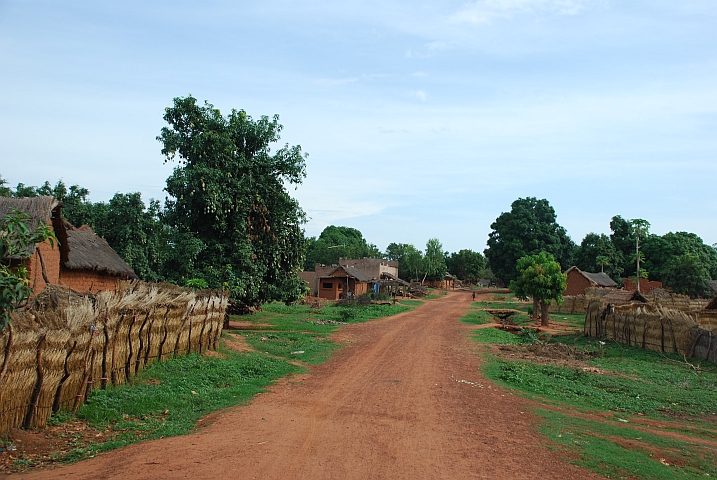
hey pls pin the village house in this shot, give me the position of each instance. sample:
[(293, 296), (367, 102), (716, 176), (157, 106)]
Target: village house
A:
[(377, 270), (343, 282), (578, 281), (79, 259)]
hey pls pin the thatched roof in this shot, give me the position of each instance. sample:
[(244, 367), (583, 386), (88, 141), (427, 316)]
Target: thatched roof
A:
[(351, 272), (713, 285), (87, 251), (712, 305), (597, 279), (392, 278), (623, 296), (40, 209)]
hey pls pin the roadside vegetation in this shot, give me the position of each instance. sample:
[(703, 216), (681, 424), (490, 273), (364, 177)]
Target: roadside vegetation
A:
[(170, 398), (620, 411)]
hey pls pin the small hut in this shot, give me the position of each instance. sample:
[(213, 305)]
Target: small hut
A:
[(578, 281), (79, 259), (343, 282)]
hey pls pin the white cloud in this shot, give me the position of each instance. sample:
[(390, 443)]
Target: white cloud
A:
[(485, 11), (333, 82), (420, 94)]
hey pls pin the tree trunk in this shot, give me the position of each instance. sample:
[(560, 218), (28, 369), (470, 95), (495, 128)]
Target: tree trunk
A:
[(544, 320), (536, 308)]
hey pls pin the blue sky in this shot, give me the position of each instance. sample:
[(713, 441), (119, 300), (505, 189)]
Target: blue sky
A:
[(421, 119)]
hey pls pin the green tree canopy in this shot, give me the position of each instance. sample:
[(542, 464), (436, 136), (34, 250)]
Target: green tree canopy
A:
[(467, 265), (539, 278), (409, 258), (229, 193), (687, 275), (597, 253), (530, 227), (335, 242), (434, 260)]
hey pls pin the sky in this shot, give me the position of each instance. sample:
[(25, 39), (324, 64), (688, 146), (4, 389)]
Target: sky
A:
[(421, 119)]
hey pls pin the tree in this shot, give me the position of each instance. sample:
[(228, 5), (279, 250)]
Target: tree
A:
[(434, 261), (528, 228), (335, 242), (661, 250), (16, 240), (467, 265), (688, 276), (229, 193), (597, 253), (539, 278), (409, 258)]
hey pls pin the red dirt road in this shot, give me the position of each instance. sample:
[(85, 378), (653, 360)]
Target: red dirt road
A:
[(404, 399)]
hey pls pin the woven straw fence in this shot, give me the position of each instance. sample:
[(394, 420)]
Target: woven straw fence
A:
[(653, 327), (571, 304), (65, 344)]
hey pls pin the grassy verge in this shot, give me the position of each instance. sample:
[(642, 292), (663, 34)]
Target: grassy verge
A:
[(659, 412)]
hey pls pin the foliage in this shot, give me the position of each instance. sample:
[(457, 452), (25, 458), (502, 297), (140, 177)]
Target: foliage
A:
[(597, 253), (467, 265), (229, 192), (16, 241), (688, 276), (434, 260), (661, 251), (409, 258), (335, 242), (529, 228), (539, 278)]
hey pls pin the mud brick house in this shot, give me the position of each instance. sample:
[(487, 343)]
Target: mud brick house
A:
[(376, 269), (80, 259), (578, 281), (646, 286), (343, 282)]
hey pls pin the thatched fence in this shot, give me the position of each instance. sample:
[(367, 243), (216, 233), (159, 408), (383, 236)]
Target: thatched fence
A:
[(655, 327), (65, 343), (659, 297)]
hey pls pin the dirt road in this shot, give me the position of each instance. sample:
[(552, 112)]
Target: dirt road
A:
[(404, 399)]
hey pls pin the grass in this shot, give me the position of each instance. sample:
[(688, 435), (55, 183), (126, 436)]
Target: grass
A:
[(309, 348), (624, 452), (631, 384)]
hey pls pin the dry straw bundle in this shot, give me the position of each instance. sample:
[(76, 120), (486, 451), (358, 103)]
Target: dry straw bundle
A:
[(65, 343)]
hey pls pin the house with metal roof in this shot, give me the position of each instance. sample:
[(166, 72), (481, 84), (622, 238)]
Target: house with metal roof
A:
[(343, 282)]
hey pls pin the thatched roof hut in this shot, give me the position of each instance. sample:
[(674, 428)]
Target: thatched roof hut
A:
[(88, 251), (43, 209), (622, 297)]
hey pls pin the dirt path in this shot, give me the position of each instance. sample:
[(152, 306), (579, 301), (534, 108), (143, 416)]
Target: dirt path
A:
[(404, 399)]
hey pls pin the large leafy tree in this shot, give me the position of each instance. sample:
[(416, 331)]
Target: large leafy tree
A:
[(687, 275), (539, 278), (335, 242), (467, 265), (597, 253), (229, 192), (434, 260), (409, 258), (530, 227)]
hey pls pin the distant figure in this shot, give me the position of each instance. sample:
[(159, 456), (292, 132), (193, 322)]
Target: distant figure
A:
[(474, 296)]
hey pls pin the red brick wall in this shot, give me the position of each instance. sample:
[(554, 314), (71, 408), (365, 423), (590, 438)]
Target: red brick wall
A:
[(51, 256), (88, 281), (576, 284), (646, 286)]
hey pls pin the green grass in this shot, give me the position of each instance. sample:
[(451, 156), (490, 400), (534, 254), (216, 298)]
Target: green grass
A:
[(624, 452), (308, 348), (633, 383), (477, 317), (168, 398)]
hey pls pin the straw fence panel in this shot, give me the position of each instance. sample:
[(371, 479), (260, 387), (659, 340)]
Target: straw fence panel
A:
[(652, 327), (65, 344), (571, 304)]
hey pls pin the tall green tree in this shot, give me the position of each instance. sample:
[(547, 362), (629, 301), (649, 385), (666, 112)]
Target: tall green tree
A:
[(229, 192), (597, 253), (687, 275), (335, 242), (467, 265), (539, 278), (529, 228), (434, 260), (409, 258)]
